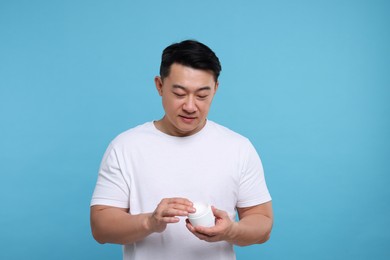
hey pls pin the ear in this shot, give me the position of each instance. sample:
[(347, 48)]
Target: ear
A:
[(159, 84), (216, 87)]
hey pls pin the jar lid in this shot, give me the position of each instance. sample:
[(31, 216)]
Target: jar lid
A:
[(201, 209)]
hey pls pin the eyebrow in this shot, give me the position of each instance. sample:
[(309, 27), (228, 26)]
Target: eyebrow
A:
[(198, 90)]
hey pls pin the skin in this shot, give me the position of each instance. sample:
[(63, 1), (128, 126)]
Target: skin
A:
[(254, 226), (117, 226), (187, 95)]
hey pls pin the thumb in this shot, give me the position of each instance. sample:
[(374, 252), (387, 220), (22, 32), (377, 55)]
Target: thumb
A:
[(218, 213)]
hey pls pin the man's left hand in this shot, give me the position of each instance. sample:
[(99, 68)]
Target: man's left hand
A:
[(220, 232)]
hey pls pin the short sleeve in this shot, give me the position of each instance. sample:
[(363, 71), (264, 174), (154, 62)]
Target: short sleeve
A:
[(111, 187), (253, 188)]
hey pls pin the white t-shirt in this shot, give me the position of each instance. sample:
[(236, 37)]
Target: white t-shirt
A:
[(144, 165)]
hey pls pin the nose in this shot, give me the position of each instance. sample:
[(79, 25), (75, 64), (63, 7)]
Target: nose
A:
[(189, 105)]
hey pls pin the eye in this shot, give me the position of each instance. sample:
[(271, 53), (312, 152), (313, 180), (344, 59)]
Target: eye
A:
[(202, 96), (179, 95)]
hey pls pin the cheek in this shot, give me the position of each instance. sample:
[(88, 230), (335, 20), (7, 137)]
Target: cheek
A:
[(204, 106), (170, 104)]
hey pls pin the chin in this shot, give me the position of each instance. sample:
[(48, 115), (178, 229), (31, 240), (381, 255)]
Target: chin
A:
[(185, 130)]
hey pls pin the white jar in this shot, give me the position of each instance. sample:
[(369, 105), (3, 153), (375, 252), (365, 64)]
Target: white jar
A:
[(203, 215)]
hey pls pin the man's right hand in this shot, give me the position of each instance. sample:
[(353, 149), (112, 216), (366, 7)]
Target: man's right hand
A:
[(167, 212), (116, 225)]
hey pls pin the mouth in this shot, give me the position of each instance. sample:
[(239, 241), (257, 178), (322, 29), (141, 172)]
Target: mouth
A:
[(187, 119)]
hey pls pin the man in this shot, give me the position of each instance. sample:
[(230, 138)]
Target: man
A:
[(151, 174)]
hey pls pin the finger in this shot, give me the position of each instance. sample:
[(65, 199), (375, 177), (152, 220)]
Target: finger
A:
[(169, 209), (211, 239), (170, 219), (178, 200), (205, 231), (206, 237), (199, 235), (180, 204), (172, 212), (194, 230), (183, 207), (189, 226), (219, 213), (216, 211)]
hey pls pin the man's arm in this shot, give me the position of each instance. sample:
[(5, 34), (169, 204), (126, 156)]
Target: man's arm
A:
[(116, 225), (254, 226)]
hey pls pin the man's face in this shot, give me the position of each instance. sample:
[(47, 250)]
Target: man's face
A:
[(186, 97)]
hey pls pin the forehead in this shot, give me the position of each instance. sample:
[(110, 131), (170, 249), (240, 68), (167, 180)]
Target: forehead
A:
[(189, 77)]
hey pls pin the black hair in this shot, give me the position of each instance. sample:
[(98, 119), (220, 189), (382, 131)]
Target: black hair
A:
[(190, 53)]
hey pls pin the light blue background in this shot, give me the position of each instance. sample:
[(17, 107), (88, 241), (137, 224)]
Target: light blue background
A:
[(307, 81)]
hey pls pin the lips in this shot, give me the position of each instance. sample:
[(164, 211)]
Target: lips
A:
[(187, 119)]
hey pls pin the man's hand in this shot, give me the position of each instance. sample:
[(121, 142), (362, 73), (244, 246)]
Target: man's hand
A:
[(167, 212), (116, 225), (254, 226), (220, 232)]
